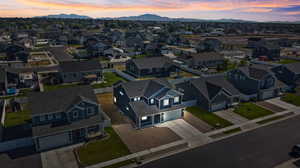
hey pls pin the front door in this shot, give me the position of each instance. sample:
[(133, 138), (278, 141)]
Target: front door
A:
[(157, 119)]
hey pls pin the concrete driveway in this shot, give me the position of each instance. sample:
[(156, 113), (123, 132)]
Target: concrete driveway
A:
[(274, 108), (230, 116), (186, 131), (60, 158), (282, 104), (197, 123)]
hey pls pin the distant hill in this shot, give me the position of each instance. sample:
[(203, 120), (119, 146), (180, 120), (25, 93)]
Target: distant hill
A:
[(66, 16), (152, 17)]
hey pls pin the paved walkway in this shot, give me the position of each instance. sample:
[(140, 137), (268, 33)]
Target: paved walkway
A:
[(186, 131), (60, 158), (231, 116)]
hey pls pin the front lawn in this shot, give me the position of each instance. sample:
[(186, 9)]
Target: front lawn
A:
[(291, 98), (55, 87), (251, 111), (287, 61), (13, 119), (209, 117), (109, 79), (103, 150)]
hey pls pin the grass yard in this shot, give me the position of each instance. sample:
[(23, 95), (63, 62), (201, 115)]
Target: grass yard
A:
[(287, 61), (13, 119), (251, 111), (110, 78), (209, 117), (291, 98), (103, 150), (54, 87)]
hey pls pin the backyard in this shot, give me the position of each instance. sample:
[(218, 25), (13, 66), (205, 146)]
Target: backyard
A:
[(209, 117), (251, 111), (13, 119), (111, 147), (109, 79)]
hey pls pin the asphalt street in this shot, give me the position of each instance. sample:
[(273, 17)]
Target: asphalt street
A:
[(265, 147)]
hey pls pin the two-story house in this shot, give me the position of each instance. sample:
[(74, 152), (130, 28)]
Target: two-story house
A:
[(210, 93), (288, 74), (256, 82), (148, 102), (66, 116), (269, 50), (80, 71), (149, 67)]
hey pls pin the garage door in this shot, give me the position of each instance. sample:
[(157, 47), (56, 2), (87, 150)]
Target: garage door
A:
[(268, 94), (219, 106), (53, 141), (172, 115)]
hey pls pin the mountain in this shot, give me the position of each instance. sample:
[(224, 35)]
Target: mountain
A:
[(152, 17), (66, 16)]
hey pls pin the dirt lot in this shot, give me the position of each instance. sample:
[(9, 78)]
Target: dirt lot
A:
[(197, 123), (139, 140), (106, 101), (269, 106)]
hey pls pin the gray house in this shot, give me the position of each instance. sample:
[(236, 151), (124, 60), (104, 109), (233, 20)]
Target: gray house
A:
[(148, 102), (210, 93), (149, 67), (256, 82), (206, 60), (80, 71), (66, 116), (288, 74)]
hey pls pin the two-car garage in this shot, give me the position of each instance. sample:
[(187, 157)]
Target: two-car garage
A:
[(52, 141)]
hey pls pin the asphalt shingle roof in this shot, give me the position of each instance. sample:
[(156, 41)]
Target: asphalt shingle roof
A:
[(80, 66), (294, 67), (149, 63), (60, 99)]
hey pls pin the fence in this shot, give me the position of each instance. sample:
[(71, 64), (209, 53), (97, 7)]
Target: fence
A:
[(14, 144)]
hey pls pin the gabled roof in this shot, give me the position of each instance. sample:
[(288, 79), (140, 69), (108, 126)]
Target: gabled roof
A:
[(293, 67), (80, 66), (60, 99), (211, 86), (207, 56), (145, 88), (149, 63), (255, 71)]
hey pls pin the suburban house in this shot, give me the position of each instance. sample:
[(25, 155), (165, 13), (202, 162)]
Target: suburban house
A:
[(149, 67), (206, 60), (66, 116), (269, 50), (148, 102), (210, 45), (256, 82), (288, 74), (80, 71), (209, 93)]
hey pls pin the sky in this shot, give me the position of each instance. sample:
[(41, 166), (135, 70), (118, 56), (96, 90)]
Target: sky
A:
[(257, 10)]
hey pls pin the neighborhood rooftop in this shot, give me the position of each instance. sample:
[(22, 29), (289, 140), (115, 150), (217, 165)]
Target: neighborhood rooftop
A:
[(80, 66)]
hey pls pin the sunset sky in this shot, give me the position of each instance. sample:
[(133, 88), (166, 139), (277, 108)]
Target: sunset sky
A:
[(259, 10)]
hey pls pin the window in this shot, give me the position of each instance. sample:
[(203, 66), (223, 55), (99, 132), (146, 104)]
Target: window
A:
[(121, 93), (115, 99), (135, 99), (75, 114), (176, 99), (152, 101), (166, 102), (50, 117), (90, 111), (127, 108), (42, 118), (144, 118), (57, 115)]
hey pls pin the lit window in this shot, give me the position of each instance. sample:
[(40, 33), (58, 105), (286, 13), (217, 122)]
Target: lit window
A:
[(121, 93), (176, 100), (135, 99), (115, 99), (166, 102), (152, 101), (138, 98), (144, 118), (127, 108)]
